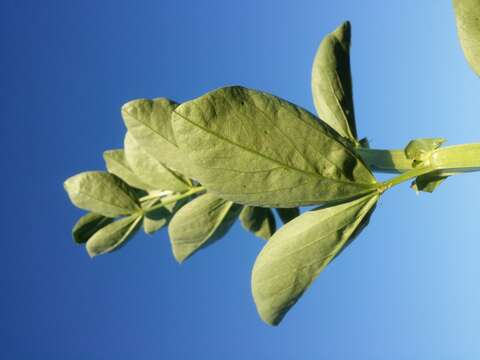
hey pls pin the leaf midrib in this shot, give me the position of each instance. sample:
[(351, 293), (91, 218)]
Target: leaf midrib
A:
[(268, 158), (86, 194)]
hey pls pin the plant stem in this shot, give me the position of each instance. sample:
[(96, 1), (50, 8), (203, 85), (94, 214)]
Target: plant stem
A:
[(407, 175), (457, 158), (446, 160), (385, 161), (175, 198)]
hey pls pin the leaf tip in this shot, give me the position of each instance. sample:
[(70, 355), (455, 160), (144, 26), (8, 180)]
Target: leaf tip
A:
[(270, 318), (69, 184), (107, 154), (180, 256), (344, 31), (90, 251)]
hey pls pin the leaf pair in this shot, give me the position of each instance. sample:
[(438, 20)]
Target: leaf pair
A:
[(103, 235), (107, 197)]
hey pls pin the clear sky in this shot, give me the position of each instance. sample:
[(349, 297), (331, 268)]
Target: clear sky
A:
[(407, 288)]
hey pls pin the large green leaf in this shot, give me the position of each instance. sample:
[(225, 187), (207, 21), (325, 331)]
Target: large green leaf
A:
[(102, 193), (259, 221), (288, 214), (149, 122), (199, 223), (297, 253), (257, 149), (332, 82), (113, 236), (88, 225), (467, 14), (117, 164), (150, 170)]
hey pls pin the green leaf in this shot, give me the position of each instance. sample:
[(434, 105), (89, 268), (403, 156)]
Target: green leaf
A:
[(256, 149), (113, 236), (156, 219), (467, 14), (297, 253), (116, 164), (259, 221), (102, 193), (149, 122), (288, 214), (150, 170), (428, 182), (88, 225), (332, 82), (199, 223)]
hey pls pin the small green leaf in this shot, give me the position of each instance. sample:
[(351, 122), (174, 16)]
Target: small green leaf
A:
[(467, 14), (297, 253), (199, 223), (419, 150), (256, 149), (332, 82), (428, 182), (113, 236), (88, 225), (116, 164), (149, 123), (288, 214), (150, 170), (156, 219), (259, 221), (102, 193)]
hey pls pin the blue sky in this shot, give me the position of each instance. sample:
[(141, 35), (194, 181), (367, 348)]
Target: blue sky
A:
[(406, 288)]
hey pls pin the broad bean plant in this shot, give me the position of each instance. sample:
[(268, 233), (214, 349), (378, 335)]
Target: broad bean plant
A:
[(238, 153)]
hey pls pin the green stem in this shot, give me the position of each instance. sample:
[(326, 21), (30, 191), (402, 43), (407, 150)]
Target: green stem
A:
[(448, 160), (175, 198), (386, 161), (457, 158), (407, 175)]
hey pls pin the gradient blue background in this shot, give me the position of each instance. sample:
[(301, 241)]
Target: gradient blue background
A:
[(407, 288)]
